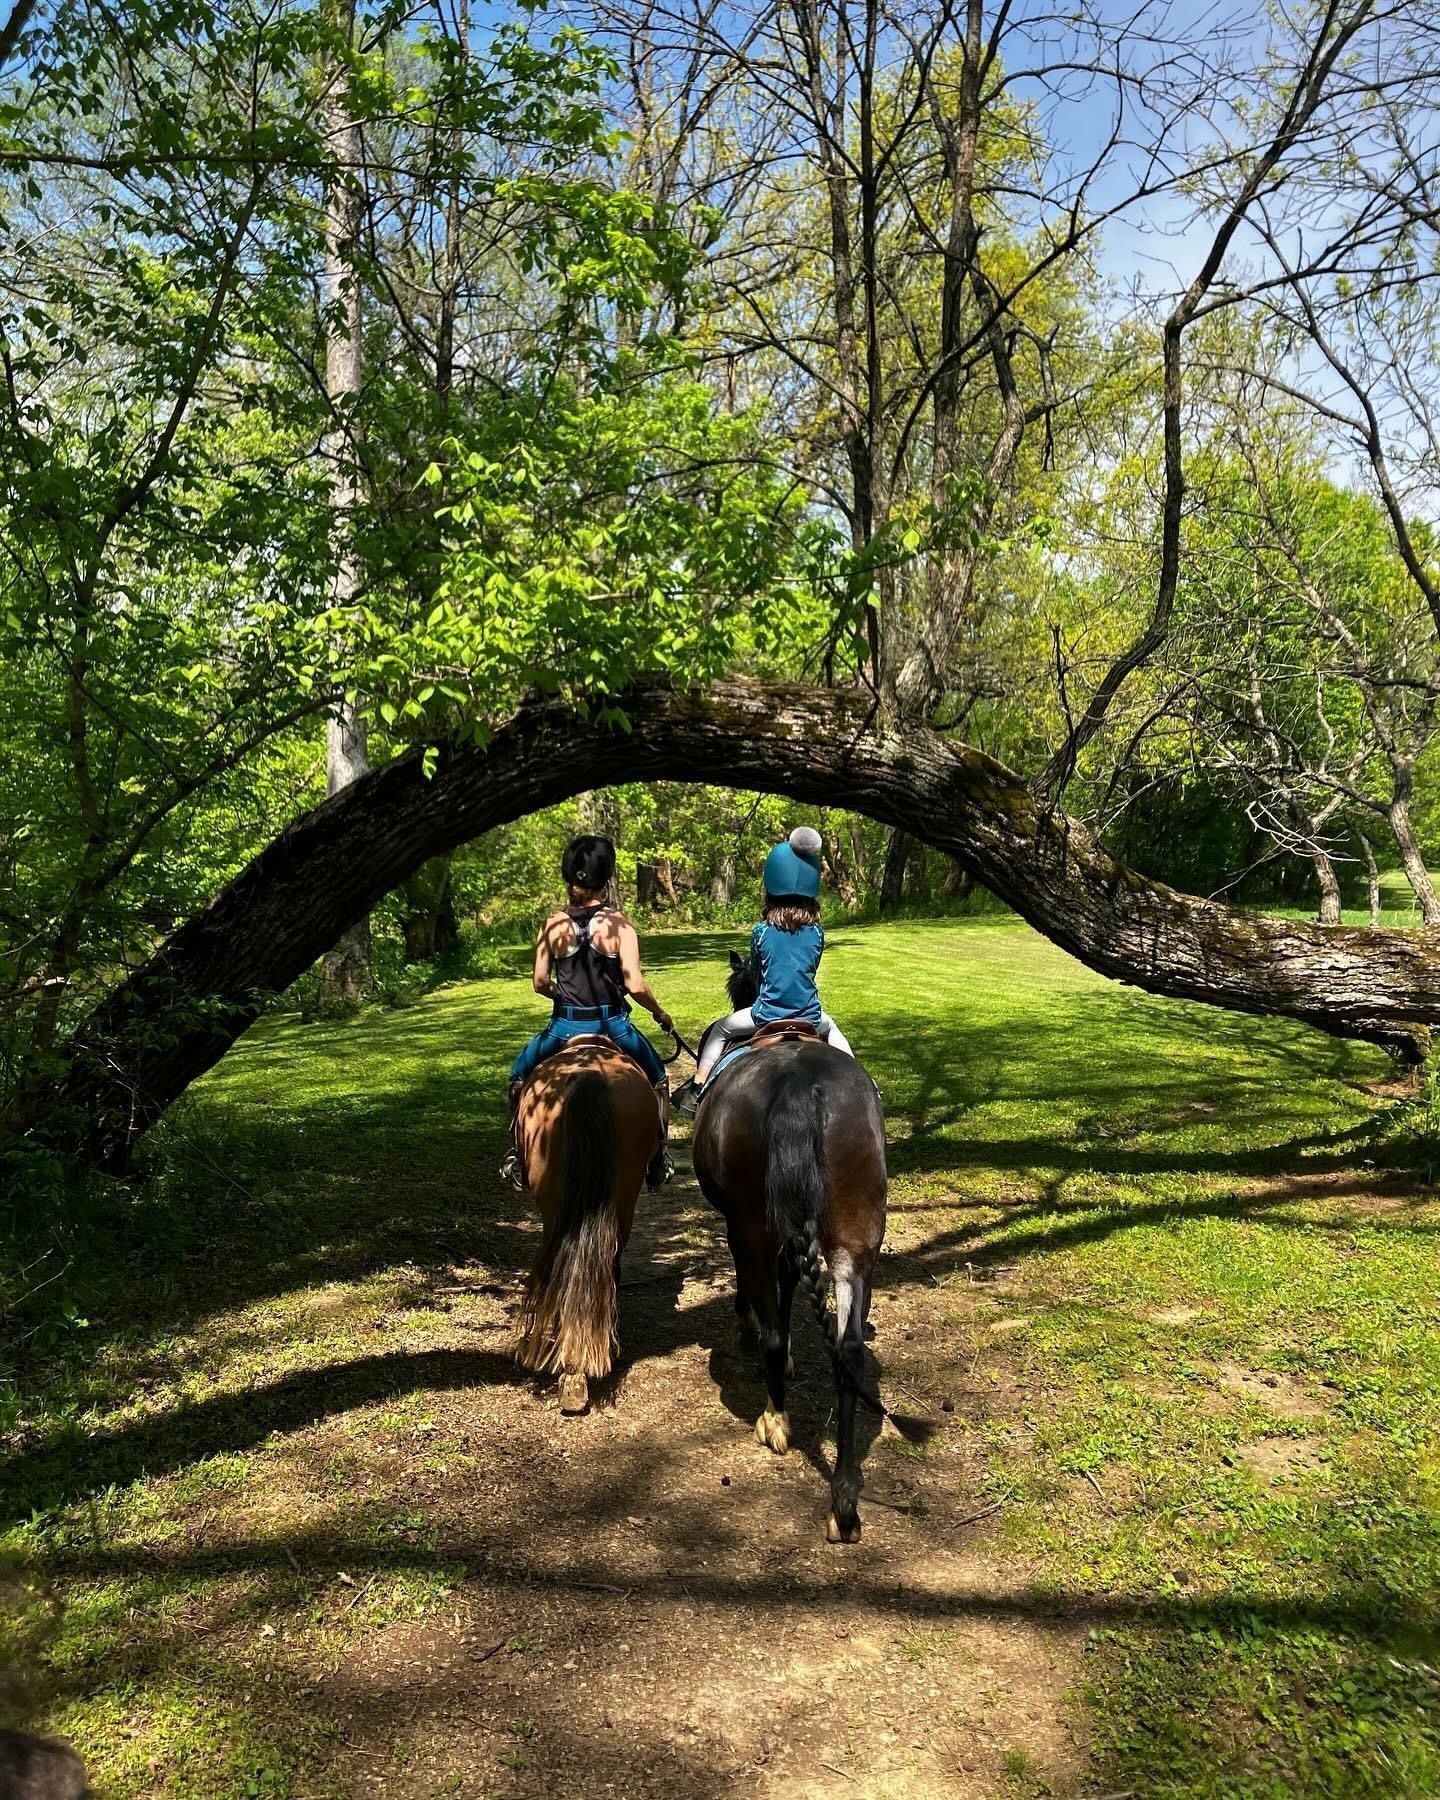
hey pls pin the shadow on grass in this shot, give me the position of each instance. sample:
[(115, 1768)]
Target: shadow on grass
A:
[(586, 1548), (81, 1463), (273, 1185)]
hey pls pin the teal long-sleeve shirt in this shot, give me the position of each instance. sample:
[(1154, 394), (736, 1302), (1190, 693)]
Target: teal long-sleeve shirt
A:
[(784, 964)]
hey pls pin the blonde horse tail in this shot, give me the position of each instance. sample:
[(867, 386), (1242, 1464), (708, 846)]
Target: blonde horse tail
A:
[(568, 1319)]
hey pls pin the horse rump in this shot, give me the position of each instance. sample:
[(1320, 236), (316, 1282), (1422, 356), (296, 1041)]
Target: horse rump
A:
[(568, 1319)]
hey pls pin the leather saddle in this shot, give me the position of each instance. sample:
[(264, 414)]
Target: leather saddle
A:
[(784, 1031)]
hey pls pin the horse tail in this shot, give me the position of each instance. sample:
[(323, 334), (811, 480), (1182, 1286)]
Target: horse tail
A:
[(797, 1187), (568, 1320), (797, 1178), (797, 1197)]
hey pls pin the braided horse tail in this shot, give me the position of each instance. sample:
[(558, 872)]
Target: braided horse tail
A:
[(805, 1245), (797, 1193)]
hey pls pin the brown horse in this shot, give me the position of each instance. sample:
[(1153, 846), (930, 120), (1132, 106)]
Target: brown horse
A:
[(790, 1147), (587, 1127)]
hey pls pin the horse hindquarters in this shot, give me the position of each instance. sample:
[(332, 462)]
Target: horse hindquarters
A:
[(792, 1153), (846, 1217), (568, 1322), (796, 1196)]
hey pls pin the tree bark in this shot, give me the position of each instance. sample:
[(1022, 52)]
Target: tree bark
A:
[(837, 867), (1372, 876), (653, 887), (15, 23), (429, 925), (346, 968), (1329, 910), (897, 858), (178, 1015), (959, 881), (1411, 858)]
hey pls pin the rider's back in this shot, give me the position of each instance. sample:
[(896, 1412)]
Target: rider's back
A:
[(586, 969), (785, 964)]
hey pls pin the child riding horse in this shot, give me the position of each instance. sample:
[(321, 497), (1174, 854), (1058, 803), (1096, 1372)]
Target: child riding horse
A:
[(785, 951), (789, 1147)]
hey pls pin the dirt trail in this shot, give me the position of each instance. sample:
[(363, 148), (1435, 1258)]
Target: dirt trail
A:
[(650, 1607)]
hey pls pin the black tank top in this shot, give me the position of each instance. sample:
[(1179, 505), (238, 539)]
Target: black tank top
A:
[(587, 976)]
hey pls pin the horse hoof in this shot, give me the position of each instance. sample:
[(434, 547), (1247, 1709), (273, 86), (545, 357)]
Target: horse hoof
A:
[(574, 1394), (773, 1430), (836, 1533)]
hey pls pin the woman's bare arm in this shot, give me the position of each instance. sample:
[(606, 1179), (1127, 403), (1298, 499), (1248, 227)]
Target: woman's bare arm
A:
[(545, 948), (638, 988)]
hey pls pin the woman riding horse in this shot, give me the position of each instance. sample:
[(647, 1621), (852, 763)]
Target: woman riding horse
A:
[(588, 1113), (587, 964)]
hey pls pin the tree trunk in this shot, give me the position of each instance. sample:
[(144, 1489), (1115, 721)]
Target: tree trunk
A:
[(346, 968), (1372, 877), (651, 889), (897, 857), (177, 1015), (959, 882), (837, 865), (722, 882), (859, 857), (1412, 861), (430, 926), (1328, 912)]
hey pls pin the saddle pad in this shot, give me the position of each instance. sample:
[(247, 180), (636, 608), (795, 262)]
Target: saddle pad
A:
[(776, 1031), (730, 1056)]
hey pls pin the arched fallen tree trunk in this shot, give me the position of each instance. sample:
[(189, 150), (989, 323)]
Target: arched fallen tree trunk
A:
[(178, 1014)]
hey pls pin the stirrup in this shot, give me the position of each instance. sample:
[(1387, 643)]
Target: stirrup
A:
[(662, 1168), (686, 1098), (512, 1171)]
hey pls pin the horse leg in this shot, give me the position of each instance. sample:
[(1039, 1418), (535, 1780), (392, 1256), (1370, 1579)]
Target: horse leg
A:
[(773, 1425), (747, 1326), (851, 1296)]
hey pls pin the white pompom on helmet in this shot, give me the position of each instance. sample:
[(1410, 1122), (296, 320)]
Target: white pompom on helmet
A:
[(793, 867)]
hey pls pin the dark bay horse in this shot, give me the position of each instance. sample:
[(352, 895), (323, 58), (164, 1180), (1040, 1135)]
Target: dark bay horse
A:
[(790, 1148), (587, 1127)]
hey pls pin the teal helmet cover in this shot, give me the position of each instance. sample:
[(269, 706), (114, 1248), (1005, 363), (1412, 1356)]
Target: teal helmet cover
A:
[(793, 867)]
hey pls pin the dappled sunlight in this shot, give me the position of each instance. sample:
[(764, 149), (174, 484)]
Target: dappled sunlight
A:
[(296, 1509)]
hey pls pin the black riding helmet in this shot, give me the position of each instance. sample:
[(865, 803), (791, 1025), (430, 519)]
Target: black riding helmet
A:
[(588, 863)]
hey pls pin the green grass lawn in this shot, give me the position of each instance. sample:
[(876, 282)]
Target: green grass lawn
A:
[(1206, 1398)]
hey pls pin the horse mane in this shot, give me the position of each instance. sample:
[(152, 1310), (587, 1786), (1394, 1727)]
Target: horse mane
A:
[(740, 984)]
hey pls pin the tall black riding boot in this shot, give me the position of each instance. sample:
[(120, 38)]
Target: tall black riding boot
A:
[(662, 1163), (512, 1166)]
